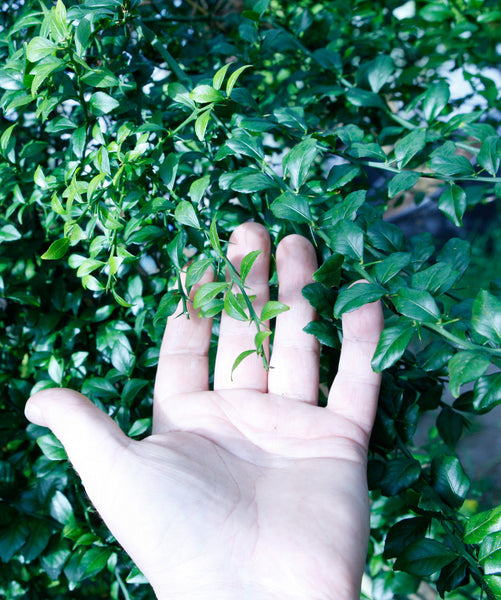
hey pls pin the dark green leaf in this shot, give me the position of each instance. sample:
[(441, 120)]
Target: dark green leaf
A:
[(487, 392), (402, 181), (325, 333), (489, 156), (392, 265), (298, 161), (341, 175), (455, 252), (424, 557), (198, 188), (436, 279), (417, 304), (452, 203), (404, 533), (400, 474), (292, 207), (347, 239), (379, 72), (450, 425), (409, 146), (329, 272), (248, 183), (449, 480), (246, 145), (391, 346), (486, 319), (356, 296)]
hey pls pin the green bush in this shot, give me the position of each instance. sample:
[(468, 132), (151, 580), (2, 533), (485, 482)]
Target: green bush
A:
[(138, 135)]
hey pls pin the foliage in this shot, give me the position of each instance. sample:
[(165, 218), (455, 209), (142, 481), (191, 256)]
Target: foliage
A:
[(136, 135)]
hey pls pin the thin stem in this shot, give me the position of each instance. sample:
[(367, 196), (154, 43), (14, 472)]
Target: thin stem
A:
[(460, 342)]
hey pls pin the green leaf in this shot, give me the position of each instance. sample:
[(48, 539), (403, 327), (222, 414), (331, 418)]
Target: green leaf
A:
[(457, 253), (214, 237), (100, 78), (325, 332), (379, 72), (466, 366), (449, 480), (490, 554), (298, 161), (201, 124), (400, 474), (341, 175), (345, 210), (486, 318), (446, 164), (57, 249), (391, 346), (329, 272), (204, 94), (234, 306), (246, 145), (8, 233), (424, 557), (59, 27), (186, 215), (233, 78), (38, 48), (260, 338), (355, 296), (404, 533), (248, 183), (450, 425), (481, 525), (246, 264), (364, 98), (198, 188), (489, 156), (217, 80), (436, 279), (435, 99), (271, 309), (347, 239), (166, 308), (417, 304), (51, 447), (292, 207), (12, 538), (196, 270), (102, 104), (82, 35), (402, 181), (55, 370), (409, 146), (240, 358), (487, 392), (61, 509), (391, 266), (207, 292), (452, 203)]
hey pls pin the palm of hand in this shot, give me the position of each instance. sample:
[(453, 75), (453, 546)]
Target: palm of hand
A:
[(255, 491), (250, 490)]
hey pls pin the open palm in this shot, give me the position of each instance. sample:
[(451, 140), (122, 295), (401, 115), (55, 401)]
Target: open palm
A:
[(250, 490)]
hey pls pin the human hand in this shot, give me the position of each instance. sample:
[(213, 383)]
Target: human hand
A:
[(251, 490)]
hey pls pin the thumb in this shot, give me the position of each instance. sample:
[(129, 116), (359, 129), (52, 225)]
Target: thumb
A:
[(90, 437)]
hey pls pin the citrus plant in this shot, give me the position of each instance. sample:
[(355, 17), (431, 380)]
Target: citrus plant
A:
[(135, 136)]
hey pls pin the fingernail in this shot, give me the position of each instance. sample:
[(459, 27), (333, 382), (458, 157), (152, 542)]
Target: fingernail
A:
[(34, 414)]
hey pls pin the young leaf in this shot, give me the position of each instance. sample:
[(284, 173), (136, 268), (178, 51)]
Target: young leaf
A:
[(272, 309), (246, 264), (233, 307), (38, 48), (217, 80), (392, 344), (207, 292), (196, 270), (232, 79), (204, 94), (198, 188), (260, 338), (57, 249), (201, 124), (240, 358), (214, 237)]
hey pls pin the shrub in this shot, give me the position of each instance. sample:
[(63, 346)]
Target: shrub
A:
[(136, 135)]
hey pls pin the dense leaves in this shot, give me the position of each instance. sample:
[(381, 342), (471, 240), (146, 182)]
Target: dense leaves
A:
[(135, 136)]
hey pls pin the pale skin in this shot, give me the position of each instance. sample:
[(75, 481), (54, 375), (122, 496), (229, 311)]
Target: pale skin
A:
[(250, 490)]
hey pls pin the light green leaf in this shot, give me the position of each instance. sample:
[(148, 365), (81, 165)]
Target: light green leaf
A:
[(8, 233), (435, 100), (196, 270), (240, 358), (235, 306), (40, 47), (198, 188), (246, 264), (204, 94), (57, 249), (207, 292), (102, 104), (61, 509), (481, 525), (201, 124), (51, 447), (232, 79), (271, 309), (217, 80)]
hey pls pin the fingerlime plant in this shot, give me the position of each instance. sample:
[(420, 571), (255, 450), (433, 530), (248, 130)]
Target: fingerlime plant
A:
[(136, 135)]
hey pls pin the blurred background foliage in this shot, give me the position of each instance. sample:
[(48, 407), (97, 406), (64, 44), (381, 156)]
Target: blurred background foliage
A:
[(135, 135)]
